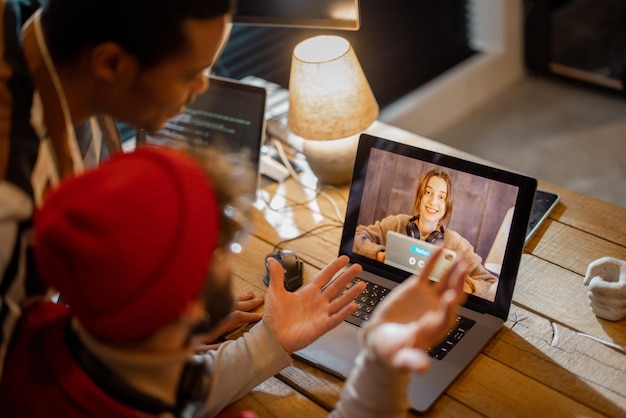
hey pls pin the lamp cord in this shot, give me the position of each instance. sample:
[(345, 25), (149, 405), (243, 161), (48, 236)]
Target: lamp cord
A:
[(319, 190), (306, 233)]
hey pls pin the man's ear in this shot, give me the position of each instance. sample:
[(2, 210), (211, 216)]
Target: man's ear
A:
[(110, 63)]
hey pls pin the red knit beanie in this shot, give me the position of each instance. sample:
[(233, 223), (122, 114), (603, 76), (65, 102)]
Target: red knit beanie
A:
[(128, 244)]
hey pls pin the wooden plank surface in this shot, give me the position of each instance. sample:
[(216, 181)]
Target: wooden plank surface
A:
[(558, 357), (596, 217), (564, 301), (275, 399), (541, 362), (532, 366), (326, 389)]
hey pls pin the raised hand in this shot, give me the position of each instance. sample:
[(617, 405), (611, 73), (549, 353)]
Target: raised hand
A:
[(240, 315), (415, 316), (301, 317)]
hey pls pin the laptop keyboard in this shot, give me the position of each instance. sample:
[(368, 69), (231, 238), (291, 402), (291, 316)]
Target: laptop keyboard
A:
[(373, 294), (454, 335), (367, 300)]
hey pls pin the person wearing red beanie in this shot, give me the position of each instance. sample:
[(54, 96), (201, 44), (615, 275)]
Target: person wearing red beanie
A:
[(139, 249)]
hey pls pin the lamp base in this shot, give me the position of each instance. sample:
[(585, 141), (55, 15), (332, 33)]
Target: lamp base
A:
[(332, 161)]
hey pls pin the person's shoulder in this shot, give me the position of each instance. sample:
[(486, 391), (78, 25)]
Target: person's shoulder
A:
[(453, 238), (400, 218), (37, 322)]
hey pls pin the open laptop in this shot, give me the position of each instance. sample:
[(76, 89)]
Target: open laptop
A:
[(230, 114), (384, 181)]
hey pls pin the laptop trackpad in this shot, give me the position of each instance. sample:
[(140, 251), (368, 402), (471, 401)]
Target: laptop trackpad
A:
[(335, 351), (426, 388)]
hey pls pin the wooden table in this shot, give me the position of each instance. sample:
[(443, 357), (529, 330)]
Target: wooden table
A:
[(542, 362)]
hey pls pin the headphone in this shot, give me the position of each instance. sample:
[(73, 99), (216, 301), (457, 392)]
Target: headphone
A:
[(193, 387), (412, 230)]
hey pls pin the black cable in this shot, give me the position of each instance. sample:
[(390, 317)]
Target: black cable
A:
[(304, 234), (290, 206)]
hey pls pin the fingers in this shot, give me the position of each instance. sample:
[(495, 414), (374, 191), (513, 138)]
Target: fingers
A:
[(453, 278), (231, 322), (321, 280), (336, 318), (240, 317), (457, 280), (277, 276), (339, 303), (449, 303), (606, 278), (203, 348), (444, 282), (332, 288), (247, 304), (607, 299), (414, 360), (430, 265), (245, 296), (606, 267), (600, 287), (335, 288), (610, 313), (327, 273)]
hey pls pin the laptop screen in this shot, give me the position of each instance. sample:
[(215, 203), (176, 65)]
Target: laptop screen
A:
[(229, 114), (478, 212)]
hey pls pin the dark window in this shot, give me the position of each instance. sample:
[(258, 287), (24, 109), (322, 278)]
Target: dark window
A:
[(402, 44)]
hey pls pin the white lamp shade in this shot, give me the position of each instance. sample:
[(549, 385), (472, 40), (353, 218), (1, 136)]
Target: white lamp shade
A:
[(329, 96)]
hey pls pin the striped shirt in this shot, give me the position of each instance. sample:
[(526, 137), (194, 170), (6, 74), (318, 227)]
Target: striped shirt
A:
[(39, 146)]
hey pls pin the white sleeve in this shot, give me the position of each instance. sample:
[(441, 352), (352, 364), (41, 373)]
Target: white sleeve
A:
[(240, 365), (373, 390)]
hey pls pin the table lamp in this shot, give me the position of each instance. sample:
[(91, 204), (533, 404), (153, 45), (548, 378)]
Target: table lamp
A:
[(330, 104)]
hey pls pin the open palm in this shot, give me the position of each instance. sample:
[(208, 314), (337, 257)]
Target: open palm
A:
[(415, 316), (301, 317)]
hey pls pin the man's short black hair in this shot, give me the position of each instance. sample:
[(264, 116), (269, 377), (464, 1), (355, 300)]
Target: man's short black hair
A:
[(149, 29)]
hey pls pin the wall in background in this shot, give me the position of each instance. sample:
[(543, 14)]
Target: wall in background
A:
[(496, 31), (581, 41), (402, 45)]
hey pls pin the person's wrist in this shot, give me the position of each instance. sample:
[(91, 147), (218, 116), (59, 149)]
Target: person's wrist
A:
[(368, 341), (276, 335)]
